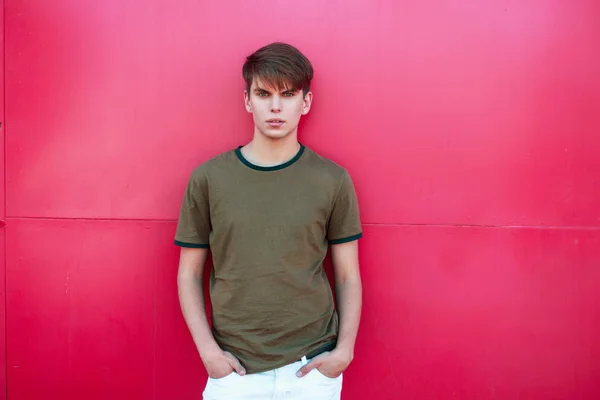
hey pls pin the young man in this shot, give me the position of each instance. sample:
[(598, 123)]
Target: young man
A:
[(268, 211)]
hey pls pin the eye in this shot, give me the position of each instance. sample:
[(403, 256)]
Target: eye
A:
[(262, 94), (289, 94)]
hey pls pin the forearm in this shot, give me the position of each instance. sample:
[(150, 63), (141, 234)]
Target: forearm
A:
[(349, 304), (191, 298)]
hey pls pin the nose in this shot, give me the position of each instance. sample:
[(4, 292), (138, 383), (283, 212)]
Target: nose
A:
[(275, 104)]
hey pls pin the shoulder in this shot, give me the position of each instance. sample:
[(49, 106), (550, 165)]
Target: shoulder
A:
[(326, 167), (203, 171)]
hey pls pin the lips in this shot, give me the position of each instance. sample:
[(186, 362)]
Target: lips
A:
[(275, 122)]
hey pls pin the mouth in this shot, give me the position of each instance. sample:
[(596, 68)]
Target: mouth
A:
[(275, 122)]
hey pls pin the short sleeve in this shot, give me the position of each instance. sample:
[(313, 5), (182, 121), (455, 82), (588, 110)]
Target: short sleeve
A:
[(193, 226), (344, 222)]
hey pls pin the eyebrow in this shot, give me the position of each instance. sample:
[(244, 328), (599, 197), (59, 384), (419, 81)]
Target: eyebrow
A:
[(259, 89)]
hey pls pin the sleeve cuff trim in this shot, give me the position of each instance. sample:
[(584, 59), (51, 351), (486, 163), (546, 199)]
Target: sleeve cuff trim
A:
[(346, 239), (191, 245)]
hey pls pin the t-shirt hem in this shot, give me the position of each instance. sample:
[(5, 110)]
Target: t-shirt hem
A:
[(251, 371), (191, 245), (346, 239), (285, 362)]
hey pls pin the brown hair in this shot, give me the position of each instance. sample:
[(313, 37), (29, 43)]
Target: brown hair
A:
[(279, 65)]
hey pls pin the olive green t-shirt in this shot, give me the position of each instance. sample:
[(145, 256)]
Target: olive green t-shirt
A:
[(268, 229)]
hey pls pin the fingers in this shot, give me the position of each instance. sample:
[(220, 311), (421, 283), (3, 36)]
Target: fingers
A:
[(235, 364), (307, 368)]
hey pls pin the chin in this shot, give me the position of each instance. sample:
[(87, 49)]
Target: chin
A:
[(273, 134)]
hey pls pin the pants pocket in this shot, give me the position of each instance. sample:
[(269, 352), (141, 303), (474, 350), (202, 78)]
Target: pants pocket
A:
[(339, 378)]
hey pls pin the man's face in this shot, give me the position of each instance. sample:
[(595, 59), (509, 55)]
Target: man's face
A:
[(276, 112)]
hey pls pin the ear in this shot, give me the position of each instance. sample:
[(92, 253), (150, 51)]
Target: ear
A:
[(247, 101), (307, 103)]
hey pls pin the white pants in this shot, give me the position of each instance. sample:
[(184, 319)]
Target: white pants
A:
[(278, 384)]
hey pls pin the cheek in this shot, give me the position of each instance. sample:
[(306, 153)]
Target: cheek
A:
[(297, 108), (256, 107)]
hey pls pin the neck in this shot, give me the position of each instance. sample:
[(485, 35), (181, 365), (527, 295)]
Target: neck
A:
[(266, 152)]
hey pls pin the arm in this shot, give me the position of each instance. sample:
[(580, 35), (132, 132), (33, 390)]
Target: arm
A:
[(348, 288), (191, 298)]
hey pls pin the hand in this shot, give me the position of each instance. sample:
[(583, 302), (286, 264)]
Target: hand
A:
[(220, 363), (330, 363)]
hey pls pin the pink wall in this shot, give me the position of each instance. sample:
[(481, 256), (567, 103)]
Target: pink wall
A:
[(2, 220), (471, 130)]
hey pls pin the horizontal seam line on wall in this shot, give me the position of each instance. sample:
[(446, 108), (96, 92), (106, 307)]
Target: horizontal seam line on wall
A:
[(486, 226), (363, 224), (93, 219)]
